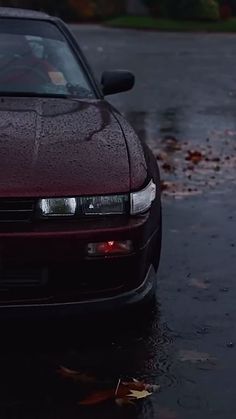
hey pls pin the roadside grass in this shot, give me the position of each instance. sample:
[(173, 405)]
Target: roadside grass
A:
[(146, 22)]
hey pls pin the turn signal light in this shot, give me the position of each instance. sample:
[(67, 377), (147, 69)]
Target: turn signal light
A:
[(110, 248)]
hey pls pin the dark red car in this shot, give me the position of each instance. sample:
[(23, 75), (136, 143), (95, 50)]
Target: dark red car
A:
[(80, 210)]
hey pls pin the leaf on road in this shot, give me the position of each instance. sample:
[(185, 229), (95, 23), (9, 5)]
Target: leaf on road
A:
[(124, 393), (194, 156), (140, 386), (195, 356), (139, 394), (168, 167)]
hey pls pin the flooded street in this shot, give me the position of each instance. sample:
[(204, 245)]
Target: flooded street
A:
[(183, 106)]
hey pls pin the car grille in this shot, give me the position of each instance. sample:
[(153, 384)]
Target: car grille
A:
[(16, 210), (15, 278)]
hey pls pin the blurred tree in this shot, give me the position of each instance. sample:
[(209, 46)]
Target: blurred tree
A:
[(185, 9), (97, 9)]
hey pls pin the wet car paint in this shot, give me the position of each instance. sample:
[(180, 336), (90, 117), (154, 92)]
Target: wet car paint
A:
[(53, 144), (71, 148)]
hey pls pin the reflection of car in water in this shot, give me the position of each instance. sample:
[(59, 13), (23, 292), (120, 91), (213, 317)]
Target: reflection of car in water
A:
[(80, 211)]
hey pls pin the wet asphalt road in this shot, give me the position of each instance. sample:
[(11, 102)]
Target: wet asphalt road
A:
[(186, 90), (184, 100)]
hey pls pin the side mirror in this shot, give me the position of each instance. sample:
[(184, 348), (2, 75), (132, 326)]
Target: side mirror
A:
[(117, 81)]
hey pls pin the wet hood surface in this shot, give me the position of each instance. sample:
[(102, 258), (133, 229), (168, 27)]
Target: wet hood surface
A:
[(61, 147)]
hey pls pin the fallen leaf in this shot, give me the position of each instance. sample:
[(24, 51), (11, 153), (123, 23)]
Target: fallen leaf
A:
[(141, 385), (195, 357), (136, 394), (123, 394), (194, 156), (168, 167)]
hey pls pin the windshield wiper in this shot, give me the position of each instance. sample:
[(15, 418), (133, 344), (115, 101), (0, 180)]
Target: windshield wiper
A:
[(79, 91)]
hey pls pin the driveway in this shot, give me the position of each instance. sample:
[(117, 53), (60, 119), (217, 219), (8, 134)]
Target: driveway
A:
[(183, 106)]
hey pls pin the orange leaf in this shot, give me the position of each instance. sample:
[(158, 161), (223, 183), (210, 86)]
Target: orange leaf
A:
[(194, 156)]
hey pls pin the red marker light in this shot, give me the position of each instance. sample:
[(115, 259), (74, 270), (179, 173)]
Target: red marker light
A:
[(110, 248)]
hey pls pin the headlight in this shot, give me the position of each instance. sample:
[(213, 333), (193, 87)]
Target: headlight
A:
[(57, 207), (141, 201), (103, 205), (94, 205)]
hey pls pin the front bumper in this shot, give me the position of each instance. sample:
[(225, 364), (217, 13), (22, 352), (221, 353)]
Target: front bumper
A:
[(53, 311), (75, 282)]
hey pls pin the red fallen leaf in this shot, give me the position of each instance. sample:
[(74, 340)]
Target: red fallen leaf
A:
[(124, 393), (194, 156), (168, 167), (166, 185)]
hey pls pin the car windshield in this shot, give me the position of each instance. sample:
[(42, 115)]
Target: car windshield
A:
[(36, 59)]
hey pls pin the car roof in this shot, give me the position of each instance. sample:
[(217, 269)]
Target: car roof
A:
[(13, 12)]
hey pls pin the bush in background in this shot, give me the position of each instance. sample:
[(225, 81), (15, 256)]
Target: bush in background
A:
[(185, 9), (226, 11), (199, 9), (73, 9), (97, 9), (157, 8)]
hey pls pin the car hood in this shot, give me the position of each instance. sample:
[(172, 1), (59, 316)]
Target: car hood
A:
[(61, 147)]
